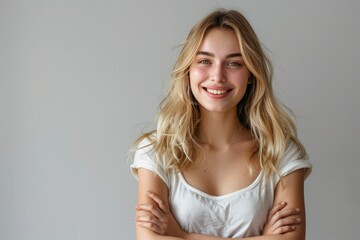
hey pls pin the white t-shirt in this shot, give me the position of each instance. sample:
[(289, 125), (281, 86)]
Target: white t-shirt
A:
[(242, 213)]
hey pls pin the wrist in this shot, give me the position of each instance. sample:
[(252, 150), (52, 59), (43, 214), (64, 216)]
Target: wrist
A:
[(187, 236)]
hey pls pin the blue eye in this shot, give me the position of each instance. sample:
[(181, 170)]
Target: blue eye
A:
[(234, 64), (204, 61)]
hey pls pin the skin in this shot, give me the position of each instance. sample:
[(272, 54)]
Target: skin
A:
[(218, 65), (227, 146)]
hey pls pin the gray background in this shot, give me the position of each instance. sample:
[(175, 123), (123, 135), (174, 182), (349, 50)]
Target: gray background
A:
[(79, 80)]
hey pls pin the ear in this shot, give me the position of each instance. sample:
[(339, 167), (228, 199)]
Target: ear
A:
[(251, 79)]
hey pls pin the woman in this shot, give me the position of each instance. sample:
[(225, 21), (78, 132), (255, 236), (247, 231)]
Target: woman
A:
[(225, 161)]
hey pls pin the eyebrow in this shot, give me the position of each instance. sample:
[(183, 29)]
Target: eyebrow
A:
[(213, 55)]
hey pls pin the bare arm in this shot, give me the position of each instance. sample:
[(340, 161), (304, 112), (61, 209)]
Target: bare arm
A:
[(150, 182), (291, 190)]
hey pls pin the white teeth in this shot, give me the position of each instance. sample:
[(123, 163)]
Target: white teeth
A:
[(217, 92)]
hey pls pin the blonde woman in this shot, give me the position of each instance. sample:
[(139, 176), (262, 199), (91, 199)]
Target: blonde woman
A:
[(224, 161)]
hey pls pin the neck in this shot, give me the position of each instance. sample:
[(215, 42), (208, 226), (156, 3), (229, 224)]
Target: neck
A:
[(219, 129)]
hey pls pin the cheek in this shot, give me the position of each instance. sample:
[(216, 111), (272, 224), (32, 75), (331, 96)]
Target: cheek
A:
[(240, 79), (197, 74)]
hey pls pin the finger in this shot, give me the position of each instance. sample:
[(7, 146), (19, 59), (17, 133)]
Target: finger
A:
[(148, 218), (151, 223), (151, 226), (283, 217), (284, 229), (286, 222), (158, 200), (151, 209), (276, 208), (154, 210), (283, 213)]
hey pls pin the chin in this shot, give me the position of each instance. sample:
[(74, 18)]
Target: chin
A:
[(217, 109)]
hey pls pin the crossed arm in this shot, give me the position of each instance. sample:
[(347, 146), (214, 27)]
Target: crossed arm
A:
[(155, 221)]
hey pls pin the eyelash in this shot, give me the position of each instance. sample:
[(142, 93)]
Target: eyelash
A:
[(204, 61), (234, 64), (231, 64)]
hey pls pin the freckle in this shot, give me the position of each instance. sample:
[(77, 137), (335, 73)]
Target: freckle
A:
[(204, 170)]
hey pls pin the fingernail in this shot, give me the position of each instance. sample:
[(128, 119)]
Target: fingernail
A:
[(293, 227), (282, 203), (297, 209), (298, 219)]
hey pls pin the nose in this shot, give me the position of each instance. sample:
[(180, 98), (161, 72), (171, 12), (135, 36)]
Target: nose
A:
[(218, 73)]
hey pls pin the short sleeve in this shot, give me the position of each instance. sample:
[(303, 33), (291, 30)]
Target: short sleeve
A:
[(144, 158), (291, 162)]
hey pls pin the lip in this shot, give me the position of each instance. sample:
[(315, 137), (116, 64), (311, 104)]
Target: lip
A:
[(216, 88)]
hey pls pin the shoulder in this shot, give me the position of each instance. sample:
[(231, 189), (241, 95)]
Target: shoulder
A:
[(145, 145), (144, 157), (143, 152), (294, 159)]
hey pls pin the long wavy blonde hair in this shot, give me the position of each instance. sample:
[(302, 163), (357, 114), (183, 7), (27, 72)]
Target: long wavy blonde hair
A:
[(175, 140)]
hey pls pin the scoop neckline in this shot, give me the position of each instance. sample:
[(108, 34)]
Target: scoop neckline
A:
[(228, 195)]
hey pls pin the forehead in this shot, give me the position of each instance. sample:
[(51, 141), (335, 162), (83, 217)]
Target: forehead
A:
[(220, 40)]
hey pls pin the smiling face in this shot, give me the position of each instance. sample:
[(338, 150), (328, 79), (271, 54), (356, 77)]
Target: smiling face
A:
[(218, 75)]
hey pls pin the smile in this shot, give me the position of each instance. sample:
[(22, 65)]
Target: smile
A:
[(216, 91)]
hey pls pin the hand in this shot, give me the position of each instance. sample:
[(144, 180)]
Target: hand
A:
[(281, 220), (160, 220)]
